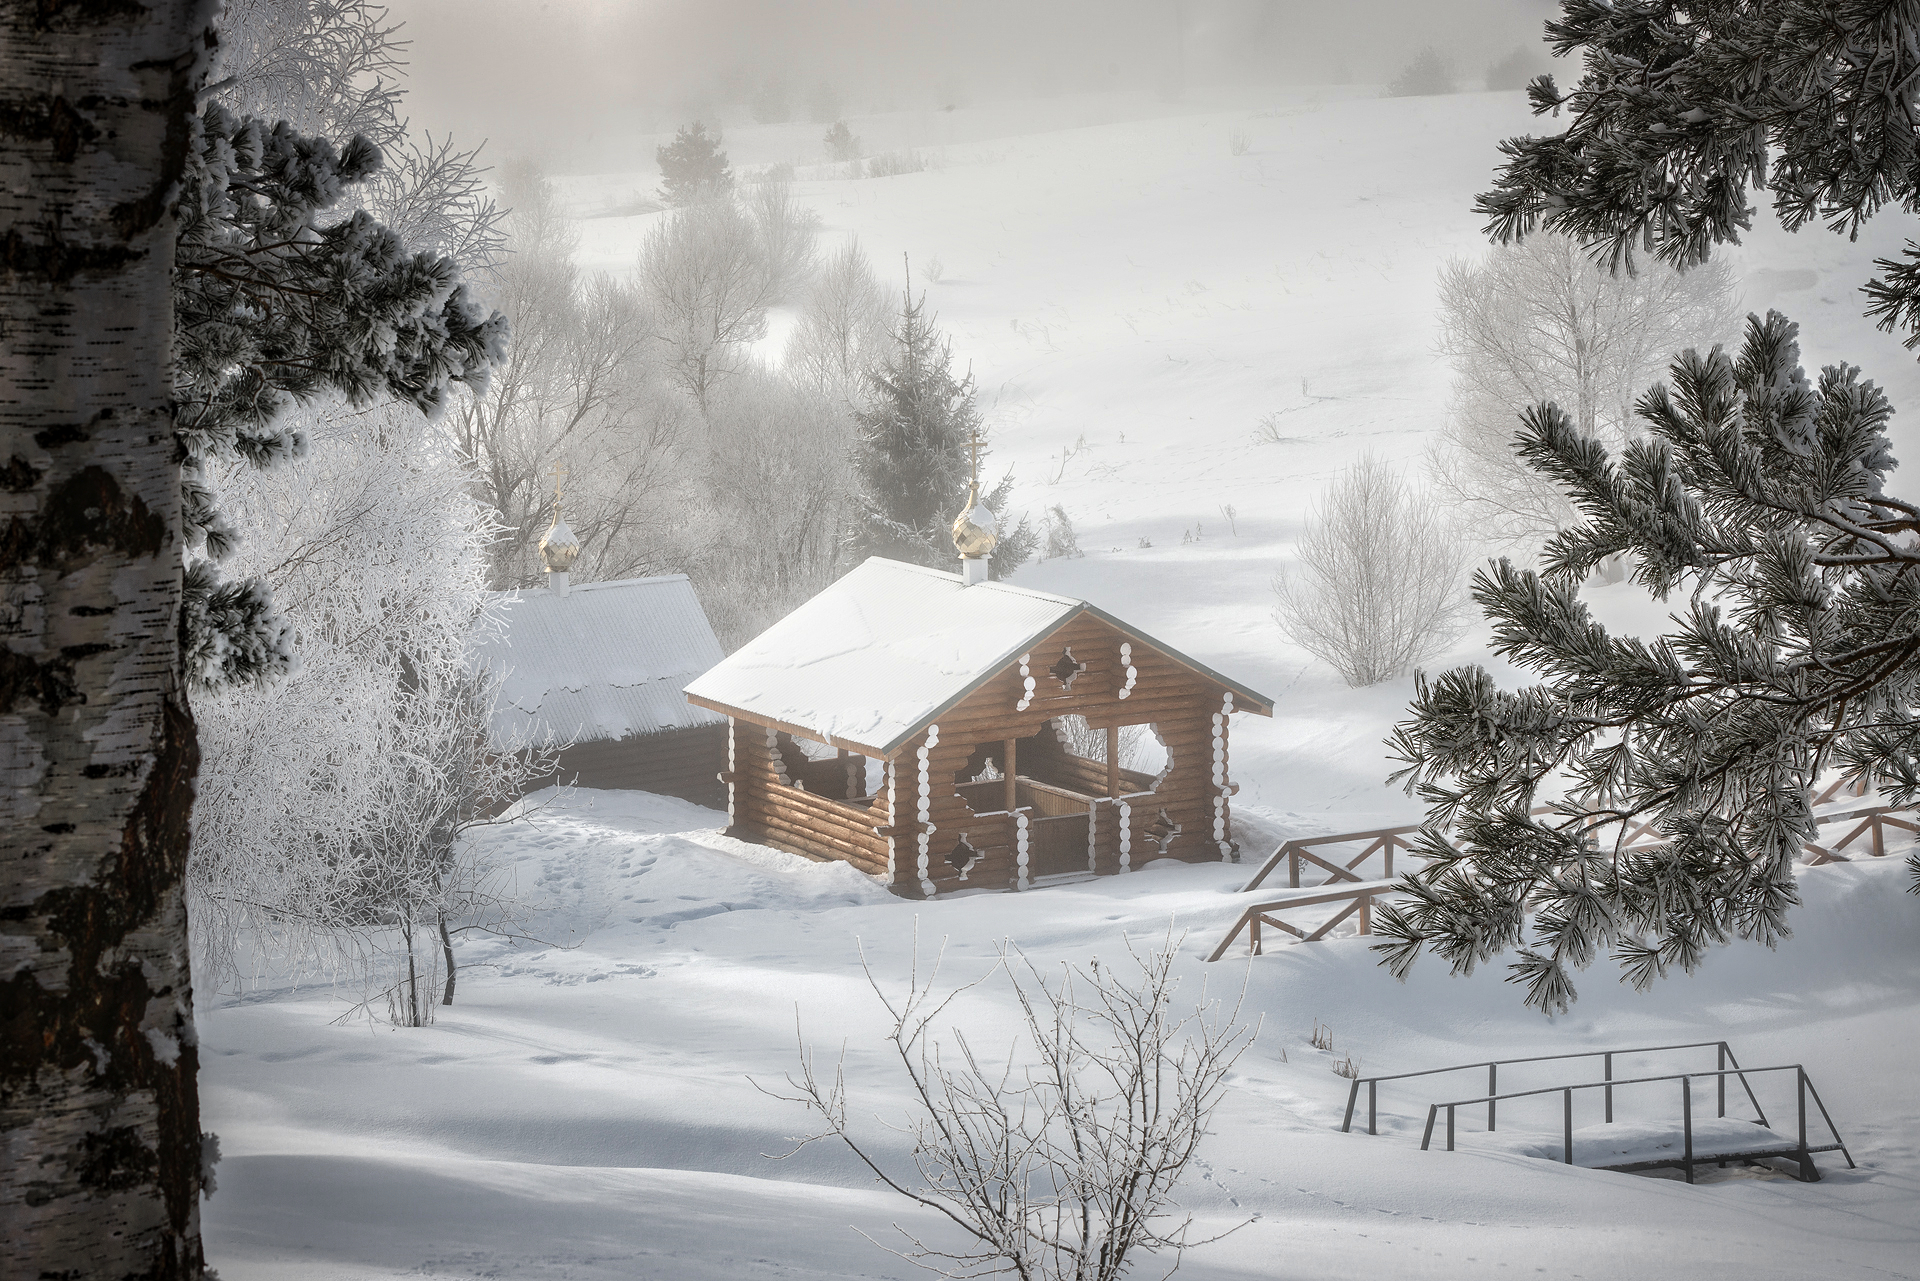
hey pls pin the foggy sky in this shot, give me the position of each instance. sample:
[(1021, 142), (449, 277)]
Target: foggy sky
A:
[(531, 74)]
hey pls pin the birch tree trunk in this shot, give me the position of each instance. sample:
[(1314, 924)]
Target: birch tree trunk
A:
[(100, 1145)]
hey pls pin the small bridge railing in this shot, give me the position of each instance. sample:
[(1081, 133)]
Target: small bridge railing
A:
[(1345, 883), (1727, 1066)]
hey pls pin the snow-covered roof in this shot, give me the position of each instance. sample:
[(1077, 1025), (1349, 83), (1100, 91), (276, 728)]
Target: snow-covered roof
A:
[(605, 661), (879, 655)]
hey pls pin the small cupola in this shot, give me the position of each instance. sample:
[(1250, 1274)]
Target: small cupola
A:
[(558, 547), (976, 531)]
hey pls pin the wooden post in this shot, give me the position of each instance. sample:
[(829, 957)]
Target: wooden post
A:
[(1010, 767), (1113, 761)]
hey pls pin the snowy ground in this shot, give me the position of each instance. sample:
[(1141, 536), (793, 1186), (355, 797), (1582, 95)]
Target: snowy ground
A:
[(587, 1113)]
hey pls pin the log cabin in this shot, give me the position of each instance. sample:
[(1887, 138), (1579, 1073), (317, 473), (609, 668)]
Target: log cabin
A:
[(913, 723), (597, 670)]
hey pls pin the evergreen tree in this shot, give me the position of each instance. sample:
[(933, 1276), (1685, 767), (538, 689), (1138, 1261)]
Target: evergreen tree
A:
[(912, 456), (1683, 108), (274, 307), (692, 166), (1760, 494)]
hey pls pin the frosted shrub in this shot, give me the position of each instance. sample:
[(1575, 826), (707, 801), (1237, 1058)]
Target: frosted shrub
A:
[(1062, 1161), (1237, 141), (1062, 542), (889, 164), (841, 142), (1378, 585)]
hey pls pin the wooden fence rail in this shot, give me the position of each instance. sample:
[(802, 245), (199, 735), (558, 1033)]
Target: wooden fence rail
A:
[(1359, 892)]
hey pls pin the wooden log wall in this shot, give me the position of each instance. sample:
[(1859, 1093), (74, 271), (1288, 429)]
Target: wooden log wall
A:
[(681, 762), (767, 807)]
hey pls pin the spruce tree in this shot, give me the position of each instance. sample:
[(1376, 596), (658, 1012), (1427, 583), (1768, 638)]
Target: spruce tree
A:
[(1759, 495), (692, 166), (912, 456)]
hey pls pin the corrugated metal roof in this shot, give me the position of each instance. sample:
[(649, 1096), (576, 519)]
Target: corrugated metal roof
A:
[(875, 655), (605, 661)]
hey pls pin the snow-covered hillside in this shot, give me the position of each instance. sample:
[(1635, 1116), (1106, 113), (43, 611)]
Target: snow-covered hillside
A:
[(1138, 287), (588, 1113)]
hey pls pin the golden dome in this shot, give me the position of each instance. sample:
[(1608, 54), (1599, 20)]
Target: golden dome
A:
[(558, 547), (975, 531)]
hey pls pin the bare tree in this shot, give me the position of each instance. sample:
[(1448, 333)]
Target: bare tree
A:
[(1062, 1161), (754, 561), (1378, 587), (579, 391), (844, 325), (787, 231), (706, 278), (1537, 322), (99, 1101)]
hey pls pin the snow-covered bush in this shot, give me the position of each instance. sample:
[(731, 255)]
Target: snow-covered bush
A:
[(1063, 1160), (787, 231), (1378, 588), (1539, 322), (1061, 541), (889, 164)]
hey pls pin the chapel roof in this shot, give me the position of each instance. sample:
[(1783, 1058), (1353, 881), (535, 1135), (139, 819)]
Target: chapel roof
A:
[(881, 654), (605, 661)]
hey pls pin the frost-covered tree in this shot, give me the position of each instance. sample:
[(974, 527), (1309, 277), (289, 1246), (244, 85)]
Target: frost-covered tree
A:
[(1426, 74), (1759, 494), (842, 330), (1540, 321), (787, 231), (330, 801), (841, 142), (104, 1168), (1682, 109), (777, 493), (912, 461), (707, 281), (692, 166), (579, 390), (1378, 588)]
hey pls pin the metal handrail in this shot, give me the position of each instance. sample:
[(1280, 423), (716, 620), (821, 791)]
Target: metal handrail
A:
[(1803, 1084), (1493, 1078)]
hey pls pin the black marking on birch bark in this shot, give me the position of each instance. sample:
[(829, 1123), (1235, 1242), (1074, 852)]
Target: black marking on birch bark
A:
[(23, 679), (96, 1023), (19, 475), (83, 516)]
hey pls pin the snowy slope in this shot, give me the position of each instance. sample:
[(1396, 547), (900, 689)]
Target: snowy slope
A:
[(1137, 285), (587, 1113)]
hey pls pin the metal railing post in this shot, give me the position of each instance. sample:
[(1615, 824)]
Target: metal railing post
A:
[(1686, 1120), (1808, 1174), (1493, 1088), (1449, 1127), (1567, 1123), (1353, 1097), (1609, 1088), (1721, 1079), (1373, 1102)]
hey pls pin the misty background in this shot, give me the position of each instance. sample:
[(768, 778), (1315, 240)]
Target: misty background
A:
[(588, 85)]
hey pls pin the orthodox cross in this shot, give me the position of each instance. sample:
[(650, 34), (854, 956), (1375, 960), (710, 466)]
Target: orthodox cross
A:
[(973, 443), (559, 470)]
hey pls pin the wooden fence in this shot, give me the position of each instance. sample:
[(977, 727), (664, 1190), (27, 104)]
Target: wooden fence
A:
[(1358, 892)]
